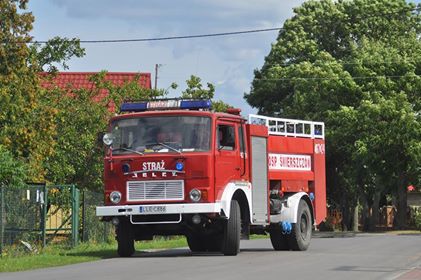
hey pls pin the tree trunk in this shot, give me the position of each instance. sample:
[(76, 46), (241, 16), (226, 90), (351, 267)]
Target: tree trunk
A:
[(401, 207), (374, 219), (345, 213), (355, 220), (365, 214)]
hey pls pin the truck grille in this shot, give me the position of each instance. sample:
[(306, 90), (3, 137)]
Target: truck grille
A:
[(155, 190)]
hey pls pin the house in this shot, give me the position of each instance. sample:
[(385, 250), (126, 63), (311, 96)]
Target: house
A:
[(80, 80)]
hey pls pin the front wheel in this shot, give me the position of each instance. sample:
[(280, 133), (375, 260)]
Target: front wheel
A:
[(125, 239), (300, 237), (232, 231)]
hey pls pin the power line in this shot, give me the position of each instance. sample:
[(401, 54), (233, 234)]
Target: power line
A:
[(416, 9), (172, 37)]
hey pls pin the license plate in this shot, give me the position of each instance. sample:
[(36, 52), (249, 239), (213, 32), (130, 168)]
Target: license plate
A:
[(152, 209)]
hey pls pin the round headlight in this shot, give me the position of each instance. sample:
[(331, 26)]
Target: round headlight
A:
[(115, 197), (195, 195), (108, 139)]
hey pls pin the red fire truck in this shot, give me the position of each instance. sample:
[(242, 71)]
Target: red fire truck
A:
[(174, 167)]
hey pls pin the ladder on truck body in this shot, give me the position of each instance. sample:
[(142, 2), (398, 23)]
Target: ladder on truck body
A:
[(290, 127)]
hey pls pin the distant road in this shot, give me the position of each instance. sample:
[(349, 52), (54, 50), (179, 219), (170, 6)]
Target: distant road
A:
[(366, 256)]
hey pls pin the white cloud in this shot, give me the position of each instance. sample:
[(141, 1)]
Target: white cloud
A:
[(226, 61)]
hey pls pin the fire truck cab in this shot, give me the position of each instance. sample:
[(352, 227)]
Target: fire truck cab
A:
[(173, 167)]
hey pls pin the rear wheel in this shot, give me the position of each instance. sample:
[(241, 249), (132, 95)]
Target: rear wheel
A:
[(300, 237), (125, 239), (232, 231), (278, 239)]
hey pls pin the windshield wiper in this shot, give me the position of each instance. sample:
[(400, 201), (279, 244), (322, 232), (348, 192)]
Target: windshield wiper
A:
[(128, 150), (169, 147)]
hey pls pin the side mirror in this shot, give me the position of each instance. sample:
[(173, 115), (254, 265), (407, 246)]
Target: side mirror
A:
[(108, 139)]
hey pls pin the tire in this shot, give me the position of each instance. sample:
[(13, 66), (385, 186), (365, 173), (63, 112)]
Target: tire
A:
[(300, 237), (278, 239), (196, 242), (232, 230), (125, 239)]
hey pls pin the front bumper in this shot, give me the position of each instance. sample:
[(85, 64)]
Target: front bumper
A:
[(186, 208)]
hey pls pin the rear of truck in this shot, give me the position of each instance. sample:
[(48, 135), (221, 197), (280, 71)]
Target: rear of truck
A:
[(296, 177)]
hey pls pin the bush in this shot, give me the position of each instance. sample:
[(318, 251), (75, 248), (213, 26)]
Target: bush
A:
[(417, 217), (12, 171)]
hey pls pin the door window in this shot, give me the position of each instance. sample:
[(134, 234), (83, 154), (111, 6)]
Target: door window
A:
[(226, 137)]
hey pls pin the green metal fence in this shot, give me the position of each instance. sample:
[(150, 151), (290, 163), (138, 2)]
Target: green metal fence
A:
[(61, 212), (92, 228), (21, 214), (40, 215)]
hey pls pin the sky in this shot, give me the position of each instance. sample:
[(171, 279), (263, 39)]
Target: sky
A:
[(227, 62)]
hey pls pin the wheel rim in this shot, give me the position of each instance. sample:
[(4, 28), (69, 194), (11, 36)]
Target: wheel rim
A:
[(304, 226)]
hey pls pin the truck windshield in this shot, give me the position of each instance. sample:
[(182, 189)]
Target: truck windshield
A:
[(161, 134)]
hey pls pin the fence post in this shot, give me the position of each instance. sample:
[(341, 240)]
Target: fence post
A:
[(75, 215), (84, 231), (1, 220), (44, 216)]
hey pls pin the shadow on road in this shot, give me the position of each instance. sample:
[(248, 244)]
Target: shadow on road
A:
[(171, 253), (161, 253), (103, 254), (370, 268)]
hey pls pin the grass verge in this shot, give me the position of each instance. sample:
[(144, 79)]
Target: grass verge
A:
[(56, 255)]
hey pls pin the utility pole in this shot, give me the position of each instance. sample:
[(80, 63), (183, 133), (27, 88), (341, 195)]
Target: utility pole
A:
[(156, 75)]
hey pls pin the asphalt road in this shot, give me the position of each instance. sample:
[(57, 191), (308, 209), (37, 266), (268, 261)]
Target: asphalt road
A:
[(366, 256)]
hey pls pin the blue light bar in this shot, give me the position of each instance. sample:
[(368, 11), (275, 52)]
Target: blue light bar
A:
[(134, 107), (165, 105), (195, 104)]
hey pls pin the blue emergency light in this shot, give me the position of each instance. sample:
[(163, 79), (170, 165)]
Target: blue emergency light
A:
[(165, 104), (133, 107), (195, 104)]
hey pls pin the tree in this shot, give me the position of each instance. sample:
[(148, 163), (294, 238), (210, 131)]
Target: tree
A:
[(25, 123), (195, 90), (78, 155), (12, 171), (356, 66), (56, 51), (27, 112)]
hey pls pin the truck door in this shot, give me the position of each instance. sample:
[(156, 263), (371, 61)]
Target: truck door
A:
[(227, 155)]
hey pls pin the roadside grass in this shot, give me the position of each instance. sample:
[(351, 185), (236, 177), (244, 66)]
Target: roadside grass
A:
[(404, 232), (58, 255)]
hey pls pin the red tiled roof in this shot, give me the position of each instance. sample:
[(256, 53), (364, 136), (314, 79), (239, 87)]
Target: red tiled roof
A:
[(80, 80)]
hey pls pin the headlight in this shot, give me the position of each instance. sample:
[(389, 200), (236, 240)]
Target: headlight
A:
[(115, 197), (108, 139), (195, 195)]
